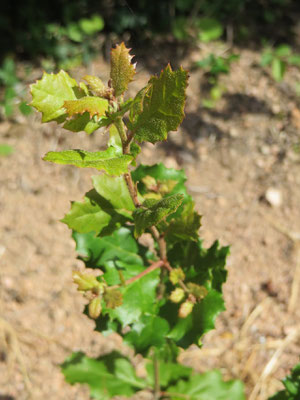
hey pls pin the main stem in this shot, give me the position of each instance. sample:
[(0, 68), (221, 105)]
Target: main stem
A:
[(156, 393)]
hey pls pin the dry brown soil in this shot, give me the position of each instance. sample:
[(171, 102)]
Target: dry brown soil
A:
[(232, 155)]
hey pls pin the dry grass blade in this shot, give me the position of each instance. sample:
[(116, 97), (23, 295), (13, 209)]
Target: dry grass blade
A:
[(11, 347), (270, 366)]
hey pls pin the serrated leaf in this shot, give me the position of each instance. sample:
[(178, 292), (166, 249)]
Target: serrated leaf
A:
[(103, 209), (50, 93), (94, 214), (95, 84), (201, 320), (145, 217), (121, 245), (185, 227), (208, 386), (150, 331), (107, 160), (201, 266), (122, 70), (108, 376), (161, 106), (92, 105)]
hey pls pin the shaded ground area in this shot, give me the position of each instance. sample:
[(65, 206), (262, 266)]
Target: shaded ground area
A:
[(232, 156)]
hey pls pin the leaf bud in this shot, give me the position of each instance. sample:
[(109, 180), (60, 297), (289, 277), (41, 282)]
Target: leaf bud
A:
[(176, 275), (95, 308), (84, 281), (177, 295), (113, 298), (198, 291), (185, 309)]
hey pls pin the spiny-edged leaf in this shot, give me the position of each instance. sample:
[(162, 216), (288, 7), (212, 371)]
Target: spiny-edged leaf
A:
[(202, 266), (121, 245), (83, 122), (50, 93), (122, 70), (292, 386), (95, 85), (139, 298), (92, 105), (108, 376), (107, 160), (151, 213), (201, 320), (162, 106), (150, 331), (103, 209), (169, 373), (207, 386), (186, 226)]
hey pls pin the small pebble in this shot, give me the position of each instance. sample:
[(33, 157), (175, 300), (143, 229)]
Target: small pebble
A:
[(273, 197)]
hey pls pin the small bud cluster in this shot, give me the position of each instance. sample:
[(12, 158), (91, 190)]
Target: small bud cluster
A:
[(96, 291), (192, 295)]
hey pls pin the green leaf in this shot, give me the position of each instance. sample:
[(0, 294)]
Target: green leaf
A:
[(278, 69), (169, 373), (266, 58), (83, 123), (201, 320), (97, 251), (151, 214), (108, 376), (185, 227), (210, 29), (162, 175), (103, 209), (150, 331), (160, 106), (208, 386), (201, 265), (139, 298), (292, 386), (283, 51), (107, 160), (50, 93), (122, 70), (25, 108), (92, 105), (91, 25), (294, 60)]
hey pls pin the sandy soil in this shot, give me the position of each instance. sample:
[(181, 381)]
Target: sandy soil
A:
[(232, 155)]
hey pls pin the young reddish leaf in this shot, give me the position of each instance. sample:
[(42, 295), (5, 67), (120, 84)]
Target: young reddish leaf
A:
[(122, 71), (50, 93), (107, 160), (161, 106), (96, 85), (92, 105)]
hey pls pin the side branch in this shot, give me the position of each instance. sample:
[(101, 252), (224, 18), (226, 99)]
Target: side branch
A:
[(152, 267)]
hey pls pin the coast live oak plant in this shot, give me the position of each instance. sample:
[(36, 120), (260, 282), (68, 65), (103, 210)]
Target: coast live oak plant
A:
[(160, 300)]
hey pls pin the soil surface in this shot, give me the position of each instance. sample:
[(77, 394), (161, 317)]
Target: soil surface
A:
[(236, 156)]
